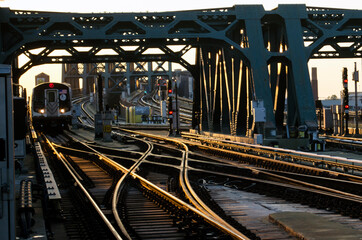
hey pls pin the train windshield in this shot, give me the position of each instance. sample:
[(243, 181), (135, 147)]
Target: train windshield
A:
[(51, 96)]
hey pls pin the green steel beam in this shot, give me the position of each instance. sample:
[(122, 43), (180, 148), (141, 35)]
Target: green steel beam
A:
[(246, 33)]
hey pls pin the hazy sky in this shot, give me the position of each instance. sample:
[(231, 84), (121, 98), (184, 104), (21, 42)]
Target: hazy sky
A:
[(329, 71)]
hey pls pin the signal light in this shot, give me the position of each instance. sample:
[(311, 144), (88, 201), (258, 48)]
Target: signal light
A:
[(51, 85), (170, 112), (346, 106), (345, 81), (170, 91)]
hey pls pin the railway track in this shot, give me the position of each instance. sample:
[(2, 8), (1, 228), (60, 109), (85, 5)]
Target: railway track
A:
[(328, 193), (185, 114), (191, 221), (277, 158), (200, 168), (343, 142)]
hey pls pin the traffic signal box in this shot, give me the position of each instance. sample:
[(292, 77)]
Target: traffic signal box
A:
[(345, 91), (345, 103), (170, 109)]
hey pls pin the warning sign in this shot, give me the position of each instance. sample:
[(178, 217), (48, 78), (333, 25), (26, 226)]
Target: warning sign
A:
[(107, 128)]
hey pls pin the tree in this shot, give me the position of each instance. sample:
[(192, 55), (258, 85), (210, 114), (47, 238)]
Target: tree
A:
[(333, 97)]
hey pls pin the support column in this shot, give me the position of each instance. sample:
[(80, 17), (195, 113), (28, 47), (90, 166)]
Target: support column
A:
[(85, 82), (128, 76), (149, 76), (304, 106), (169, 72), (258, 62), (196, 86)]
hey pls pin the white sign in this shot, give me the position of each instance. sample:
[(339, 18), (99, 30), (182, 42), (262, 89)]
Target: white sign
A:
[(63, 97)]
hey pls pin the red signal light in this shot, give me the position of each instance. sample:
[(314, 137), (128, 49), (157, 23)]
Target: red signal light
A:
[(51, 85), (170, 91), (170, 112), (346, 106), (345, 80)]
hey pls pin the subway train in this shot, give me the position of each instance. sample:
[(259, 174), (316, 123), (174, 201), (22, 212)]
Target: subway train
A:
[(51, 105)]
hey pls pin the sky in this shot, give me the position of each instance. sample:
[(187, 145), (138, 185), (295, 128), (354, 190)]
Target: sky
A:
[(329, 71)]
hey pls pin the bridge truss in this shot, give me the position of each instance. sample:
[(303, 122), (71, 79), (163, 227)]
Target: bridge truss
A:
[(118, 76), (243, 53)]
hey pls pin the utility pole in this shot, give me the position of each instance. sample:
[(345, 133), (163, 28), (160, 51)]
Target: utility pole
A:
[(355, 79), (177, 112)]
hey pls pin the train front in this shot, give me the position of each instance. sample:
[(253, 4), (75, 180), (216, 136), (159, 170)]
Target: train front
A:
[(52, 105)]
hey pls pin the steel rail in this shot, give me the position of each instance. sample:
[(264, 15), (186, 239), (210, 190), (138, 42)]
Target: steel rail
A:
[(280, 152), (351, 197), (120, 186), (183, 115), (260, 159), (290, 181), (185, 110), (287, 185), (256, 158), (202, 210), (89, 197), (190, 193), (86, 112), (280, 179), (194, 198), (348, 143), (287, 154), (353, 139), (207, 217)]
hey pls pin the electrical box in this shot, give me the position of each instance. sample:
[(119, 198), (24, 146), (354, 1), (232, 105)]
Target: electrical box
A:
[(20, 121), (7, 175), (327, 118), (258, 111)]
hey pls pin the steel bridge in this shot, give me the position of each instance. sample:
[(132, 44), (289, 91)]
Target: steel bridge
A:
[(118, 76), (243, 54)]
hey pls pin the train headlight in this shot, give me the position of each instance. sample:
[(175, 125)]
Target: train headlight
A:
[(62, 110), (42, 111)]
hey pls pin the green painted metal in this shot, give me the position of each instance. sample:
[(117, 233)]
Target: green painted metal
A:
[(254, 54)]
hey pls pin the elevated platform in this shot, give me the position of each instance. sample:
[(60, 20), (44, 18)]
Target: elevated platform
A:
[(311, 226)]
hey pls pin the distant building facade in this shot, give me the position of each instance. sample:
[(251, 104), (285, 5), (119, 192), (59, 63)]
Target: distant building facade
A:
[(41, 78), (351, 101)]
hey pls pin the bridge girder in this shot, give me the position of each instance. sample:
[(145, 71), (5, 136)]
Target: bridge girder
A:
[(243, 52)]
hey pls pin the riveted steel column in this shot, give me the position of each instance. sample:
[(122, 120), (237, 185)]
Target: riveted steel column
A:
[(279, 100), (85, 89), (205, 118), (149, 76), (243, 101), (128, 76), (257, 55), (305, 112), (196, 106)]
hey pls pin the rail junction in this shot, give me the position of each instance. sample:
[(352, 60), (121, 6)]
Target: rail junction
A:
[(235, 162)]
